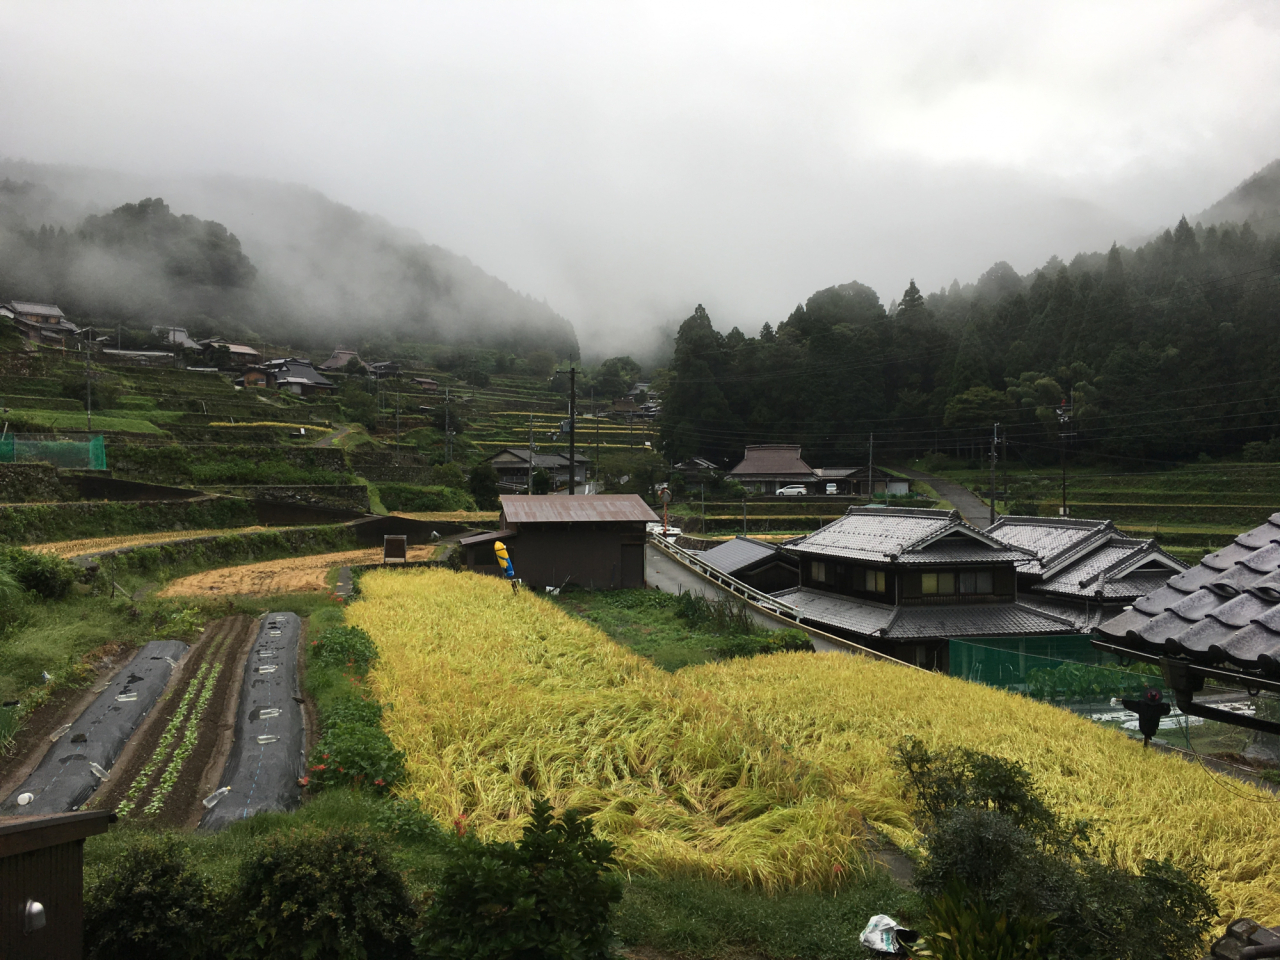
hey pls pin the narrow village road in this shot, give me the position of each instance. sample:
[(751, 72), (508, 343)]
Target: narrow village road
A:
[(331, 439), (971, 507)]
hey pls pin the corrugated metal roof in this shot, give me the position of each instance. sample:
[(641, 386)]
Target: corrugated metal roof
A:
[(737, 554), (487, 537), (773, 460), (586, 509), (1224, 611), (904, 535)]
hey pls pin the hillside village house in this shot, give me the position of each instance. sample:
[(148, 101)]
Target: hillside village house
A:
[(595, 542), (297, 376), (905, 581), (242, 355), (40, 322), (512, 466), (1083, 570), (427, 384), (767, 467), (339, 359), (174, 336), (756, 563)]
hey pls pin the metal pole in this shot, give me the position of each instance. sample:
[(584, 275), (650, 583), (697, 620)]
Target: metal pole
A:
[(448, 432), (529, 488), (88, 388), (871, 484), (595, 414), (573, 405), (995, 430), (744, 516)]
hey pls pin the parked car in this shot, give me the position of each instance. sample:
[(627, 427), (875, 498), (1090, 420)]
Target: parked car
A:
[(793, 490), (831, 488)]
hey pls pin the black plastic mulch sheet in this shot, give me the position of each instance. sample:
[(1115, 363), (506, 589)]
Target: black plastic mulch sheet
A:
[(64, 779), (266, 759)]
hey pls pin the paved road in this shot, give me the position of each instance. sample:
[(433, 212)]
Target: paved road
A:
[(331, 439), (971, 507), (64, 779), (267, 757)]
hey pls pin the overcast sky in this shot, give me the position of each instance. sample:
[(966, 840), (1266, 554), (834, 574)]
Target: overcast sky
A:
[(627, 161)]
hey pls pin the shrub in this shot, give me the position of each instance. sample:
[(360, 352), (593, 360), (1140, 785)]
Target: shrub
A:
[(965, 929), (720, 616), (996, 848), (405, 497), (549, 896), (313, 894), (358, 755), (777, 641), (150, 905), (43, 573), (344, 647), (448, 475)]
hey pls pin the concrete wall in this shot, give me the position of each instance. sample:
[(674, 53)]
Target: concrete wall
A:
[(342, 496)]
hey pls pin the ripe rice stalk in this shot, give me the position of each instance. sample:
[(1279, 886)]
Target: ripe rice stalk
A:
[(845, 714), (499, 697)]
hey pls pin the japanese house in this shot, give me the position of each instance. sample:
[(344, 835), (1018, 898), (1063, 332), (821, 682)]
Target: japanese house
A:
[(595, 542), (427, 384), (512, 465), (242, 355), (40, 322), (339, 359), (297, 376), (905, 581), (1084, 570), (756, 563), (766, 467)]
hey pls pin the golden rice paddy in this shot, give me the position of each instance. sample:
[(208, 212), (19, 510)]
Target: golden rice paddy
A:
[(78, 548), (290, 575), (760, 770)]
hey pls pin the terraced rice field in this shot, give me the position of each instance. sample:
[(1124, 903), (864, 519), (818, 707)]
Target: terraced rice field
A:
[(79, 548), (291, 575), (760, 770)]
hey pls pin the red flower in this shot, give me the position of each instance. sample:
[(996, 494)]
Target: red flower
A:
[(319, 766), (340, 770), (837, 869), (325, 757), (380, 782), (304, 781)]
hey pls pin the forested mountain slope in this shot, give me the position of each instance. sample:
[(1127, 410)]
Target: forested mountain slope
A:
[(275, 258), (1168, 351)]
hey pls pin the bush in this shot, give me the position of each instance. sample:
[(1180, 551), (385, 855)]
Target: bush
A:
[(727, 616), (325, 894), (550, 896), (408, 498), (777, 641), (483, 484), (448, 475), (150, 905), (344, 647), (358, 755), (964, 929), (43, 573), (996, 848)]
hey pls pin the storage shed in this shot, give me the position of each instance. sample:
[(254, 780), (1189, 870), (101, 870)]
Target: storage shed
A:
[(595, 542), (42, 883)]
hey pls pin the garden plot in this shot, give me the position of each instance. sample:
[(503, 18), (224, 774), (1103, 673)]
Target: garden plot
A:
[(292, 575), (158, 777), (265, 767), (80, 548), (84, 752)]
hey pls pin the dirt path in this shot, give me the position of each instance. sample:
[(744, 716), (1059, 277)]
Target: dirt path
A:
[(973, 510)]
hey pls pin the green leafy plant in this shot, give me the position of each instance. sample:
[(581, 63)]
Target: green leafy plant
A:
[(320, 894), (970, 929), (44, 574), (356, 754), (149, 906), (776, 641), (348, 648), (549, 896)]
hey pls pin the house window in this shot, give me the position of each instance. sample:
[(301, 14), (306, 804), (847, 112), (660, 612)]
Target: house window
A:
[(937, 583), (818, 571), (975, 581), (875, 581)]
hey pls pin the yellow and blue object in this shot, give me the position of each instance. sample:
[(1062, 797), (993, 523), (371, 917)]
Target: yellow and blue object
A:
[(504, 559)]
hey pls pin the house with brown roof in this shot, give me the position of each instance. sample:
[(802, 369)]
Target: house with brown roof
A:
[(595, 542), (40, 322), (766, 467), (339, 359)]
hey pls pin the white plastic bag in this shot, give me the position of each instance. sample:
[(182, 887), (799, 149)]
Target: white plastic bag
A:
[(881, 934)]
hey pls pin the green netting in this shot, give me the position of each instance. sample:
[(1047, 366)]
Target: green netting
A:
[(79, 453), (1060, 669)]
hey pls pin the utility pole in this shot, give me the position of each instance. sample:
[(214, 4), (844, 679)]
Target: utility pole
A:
[(529, 488), (595, 415), (88, 381), (573, 415), (995, 432), (1064, 419), (871, 484), (397, 425), (448, 430), (1004, 464)]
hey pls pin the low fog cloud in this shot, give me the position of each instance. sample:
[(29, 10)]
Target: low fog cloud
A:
[(626, 162)]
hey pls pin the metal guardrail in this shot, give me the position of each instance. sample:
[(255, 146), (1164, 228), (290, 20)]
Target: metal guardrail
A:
[(759, 598)]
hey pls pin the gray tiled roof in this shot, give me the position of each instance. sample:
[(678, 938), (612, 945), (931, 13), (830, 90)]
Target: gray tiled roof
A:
[(1051, 540), (35, 309), (907, 623), (773, 460), (1226, 611), (1083, 616), (1103, 572), (904, 535), (738, 554)]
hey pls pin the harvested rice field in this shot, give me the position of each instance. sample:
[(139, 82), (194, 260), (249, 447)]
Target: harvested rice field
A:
[(78, 548), (454, 516), (759, 770), (291, 575)]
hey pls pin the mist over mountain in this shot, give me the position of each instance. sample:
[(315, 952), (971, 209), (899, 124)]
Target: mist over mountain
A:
[(314, 271), (1257, 201)]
